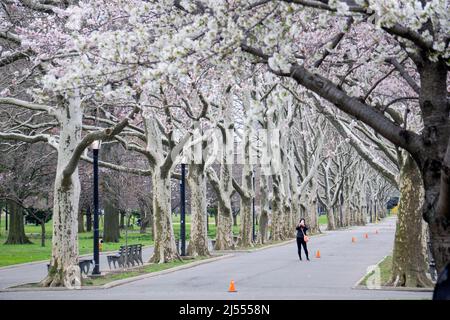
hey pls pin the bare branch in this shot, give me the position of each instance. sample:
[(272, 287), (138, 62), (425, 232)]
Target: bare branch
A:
[(28, 105), (106, 134), (404, 74)]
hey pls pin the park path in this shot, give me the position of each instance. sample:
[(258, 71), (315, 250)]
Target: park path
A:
[(272, 273)]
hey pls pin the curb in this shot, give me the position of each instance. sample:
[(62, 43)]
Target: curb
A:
[(123, 281), (358, 286), (385, 288), (47, 260), (154, 274)]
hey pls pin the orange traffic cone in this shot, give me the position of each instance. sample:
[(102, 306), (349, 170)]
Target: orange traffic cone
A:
[(232, 288), (353, 239), (318, 254), (366, 236)]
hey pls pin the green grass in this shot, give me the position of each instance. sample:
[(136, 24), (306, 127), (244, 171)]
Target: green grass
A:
[(15, 254), (323, 219), (154, 267), (385, 272)]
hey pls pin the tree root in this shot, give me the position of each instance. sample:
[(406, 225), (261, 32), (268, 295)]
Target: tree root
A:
[(410, 280)]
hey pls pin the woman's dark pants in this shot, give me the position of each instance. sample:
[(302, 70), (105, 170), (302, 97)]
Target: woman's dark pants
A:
[(301, 243)]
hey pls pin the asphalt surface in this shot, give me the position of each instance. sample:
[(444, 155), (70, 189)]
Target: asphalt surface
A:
[(273, 273)]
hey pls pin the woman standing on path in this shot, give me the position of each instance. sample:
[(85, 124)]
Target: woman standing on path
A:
[(302, 238)]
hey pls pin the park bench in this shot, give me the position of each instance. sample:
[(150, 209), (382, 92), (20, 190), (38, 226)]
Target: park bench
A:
[(127, 255), (84, 264)]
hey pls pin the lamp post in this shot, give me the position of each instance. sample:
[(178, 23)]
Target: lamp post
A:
[(95, 149), (183, 209)]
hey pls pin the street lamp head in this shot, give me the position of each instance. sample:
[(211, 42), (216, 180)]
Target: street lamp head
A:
[(96, 144)]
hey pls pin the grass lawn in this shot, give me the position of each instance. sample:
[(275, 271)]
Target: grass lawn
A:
[(15, 254), (385, 272), (154, 267), (323, 219)]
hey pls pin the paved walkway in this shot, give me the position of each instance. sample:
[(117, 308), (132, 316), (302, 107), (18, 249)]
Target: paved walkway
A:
[(274, 273)]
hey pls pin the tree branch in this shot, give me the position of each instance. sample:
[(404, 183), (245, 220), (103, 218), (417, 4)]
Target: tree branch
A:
[(334, 43), (28, 105), (106, 134), (404, 74), (408, 140)]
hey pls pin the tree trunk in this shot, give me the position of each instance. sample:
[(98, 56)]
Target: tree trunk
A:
[(111, 230), (312, 214), (265, 207), (331, 219), (198, 244), (246, 208), (16, 233), (122, 220), (64, 269), (295, 192), (408, 265), (287, 226), (225, 221), (43, 233), (165, 248), (145, 220), (224, 231), (80, 222), (277, 209), (434, 160), (288, 223), (88, 220)]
